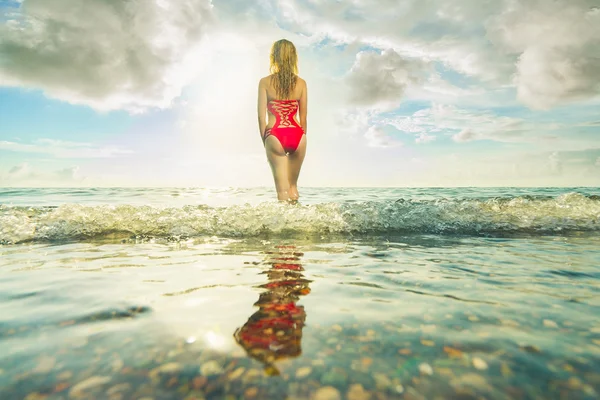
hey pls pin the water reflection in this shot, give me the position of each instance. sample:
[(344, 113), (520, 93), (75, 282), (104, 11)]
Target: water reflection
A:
[(274, 331)]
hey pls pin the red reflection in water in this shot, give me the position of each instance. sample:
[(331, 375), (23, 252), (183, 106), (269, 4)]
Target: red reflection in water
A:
[(274, 331)]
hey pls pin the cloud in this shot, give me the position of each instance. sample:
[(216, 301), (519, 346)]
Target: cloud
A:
[(25, 175), (380, 79), (557, 44), (376, 137), (555, 164), (465, 125), (424, 137), (64, 149), (111, 54), (546, 49), (466, 135)]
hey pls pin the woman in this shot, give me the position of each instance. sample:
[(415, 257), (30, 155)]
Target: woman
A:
[(284, 95)]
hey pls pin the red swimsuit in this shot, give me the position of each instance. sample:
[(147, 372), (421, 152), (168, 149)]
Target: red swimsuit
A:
[(286, 129)]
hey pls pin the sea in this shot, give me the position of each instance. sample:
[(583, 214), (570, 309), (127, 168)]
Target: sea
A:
[(353, 293)]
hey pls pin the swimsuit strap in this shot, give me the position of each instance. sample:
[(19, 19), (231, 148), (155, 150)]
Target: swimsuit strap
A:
[(266, 134)]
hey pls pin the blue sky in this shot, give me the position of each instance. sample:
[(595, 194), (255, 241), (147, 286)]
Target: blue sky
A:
[(459, 93)]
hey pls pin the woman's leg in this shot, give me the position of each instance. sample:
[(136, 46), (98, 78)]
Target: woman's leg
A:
[(279, 167), (294, 165)]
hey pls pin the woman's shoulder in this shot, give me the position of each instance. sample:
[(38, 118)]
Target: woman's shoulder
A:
[(265, 80), (268, 78)]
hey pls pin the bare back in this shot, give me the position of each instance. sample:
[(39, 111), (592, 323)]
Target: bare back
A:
[(296, 94)]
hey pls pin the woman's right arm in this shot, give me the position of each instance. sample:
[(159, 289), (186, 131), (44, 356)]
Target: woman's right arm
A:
[(303, 105), (262, 107)]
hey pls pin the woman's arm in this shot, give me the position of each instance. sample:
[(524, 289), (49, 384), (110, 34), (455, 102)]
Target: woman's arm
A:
[(303, 105), (262, 107)]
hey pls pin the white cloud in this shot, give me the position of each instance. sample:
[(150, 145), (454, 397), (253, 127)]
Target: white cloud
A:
[(557, 44), (466, 125), (380, 79), (110, 54), (424, 137), (466, 135), (376, 137), (64, 149), (24, 174), (554, 163), (549, 47)]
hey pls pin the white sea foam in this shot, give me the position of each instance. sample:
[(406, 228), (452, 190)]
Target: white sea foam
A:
[(524, 214)]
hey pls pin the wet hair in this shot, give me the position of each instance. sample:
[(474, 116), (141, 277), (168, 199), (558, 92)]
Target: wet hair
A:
[(284, 67)]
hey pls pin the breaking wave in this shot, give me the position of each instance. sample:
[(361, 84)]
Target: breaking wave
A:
[(572, 212)]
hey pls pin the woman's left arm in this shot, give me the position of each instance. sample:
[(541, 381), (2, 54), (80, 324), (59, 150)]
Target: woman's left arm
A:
[(262, 107)]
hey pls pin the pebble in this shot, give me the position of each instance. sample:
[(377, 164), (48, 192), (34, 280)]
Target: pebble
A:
[(472, 380), (548, 323), (574, 383), (382, 381), (194, 396), (211, 368), (45, 365), (121, 387), (199, 382), (428, 343), (327, 393), (425, 369), (64, 376), (251, 375), (335, 376), (530, 348), (357, 392), (117, 365), (35, 396), (337, 328), (169, 368), (90, 383), (589, 390), (61, 386), (251, 392), (452, 352), (303, 372), (505, 370), (444, 371), (236, 373), (400, 389), (478, 363)]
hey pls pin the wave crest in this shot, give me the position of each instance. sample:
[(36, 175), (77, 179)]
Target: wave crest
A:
[(525, 214)]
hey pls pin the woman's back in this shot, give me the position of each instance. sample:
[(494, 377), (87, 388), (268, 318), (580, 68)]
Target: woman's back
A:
[(295, 93)]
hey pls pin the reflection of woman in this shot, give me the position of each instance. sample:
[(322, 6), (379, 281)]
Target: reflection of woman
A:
[(275, 330), (284, 95)]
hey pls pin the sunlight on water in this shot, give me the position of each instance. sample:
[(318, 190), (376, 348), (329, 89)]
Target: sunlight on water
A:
[(423, 298)]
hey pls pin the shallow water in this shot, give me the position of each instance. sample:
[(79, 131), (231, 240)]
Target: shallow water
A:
[(485, 307)]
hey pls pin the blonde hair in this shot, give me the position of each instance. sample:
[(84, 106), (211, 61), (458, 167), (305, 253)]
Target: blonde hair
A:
[(284, 67)]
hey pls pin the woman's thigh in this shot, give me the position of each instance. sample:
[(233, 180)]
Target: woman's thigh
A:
[(278, 162)]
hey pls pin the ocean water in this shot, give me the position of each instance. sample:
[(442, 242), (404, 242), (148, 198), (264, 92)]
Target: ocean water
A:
[(223, 293)]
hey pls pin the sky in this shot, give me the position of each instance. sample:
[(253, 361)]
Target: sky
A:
[(415, 93)]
